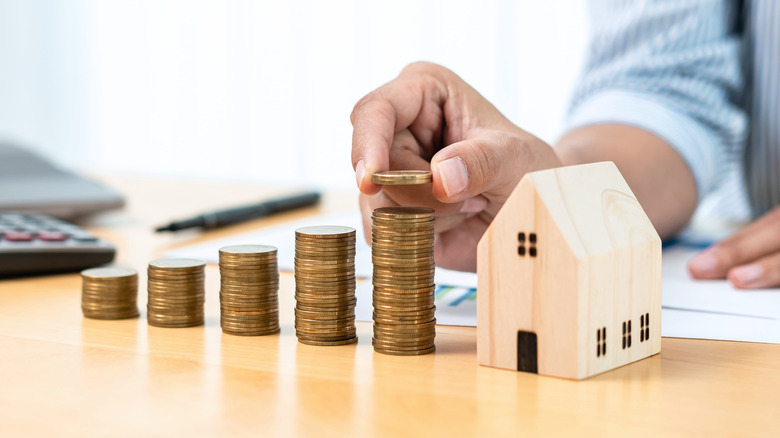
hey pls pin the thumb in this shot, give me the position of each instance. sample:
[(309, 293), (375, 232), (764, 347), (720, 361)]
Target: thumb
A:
[(472, 167)]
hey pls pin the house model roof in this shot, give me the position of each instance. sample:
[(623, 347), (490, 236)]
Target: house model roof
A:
[(601, 219)]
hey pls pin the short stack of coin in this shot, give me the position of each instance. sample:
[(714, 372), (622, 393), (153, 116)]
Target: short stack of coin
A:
[(109, 293), (402, 254), (249, 287), (325, 285), (176, 292)]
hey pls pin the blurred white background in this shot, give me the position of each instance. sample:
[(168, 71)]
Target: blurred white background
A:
[(260, 90)]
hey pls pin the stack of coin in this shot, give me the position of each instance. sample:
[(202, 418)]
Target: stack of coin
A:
[(402, 253), (249, 286), (109, 293), (325, 285), (176, 292)]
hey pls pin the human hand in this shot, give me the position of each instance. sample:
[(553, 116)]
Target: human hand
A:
[(428, 118), (750, 259)]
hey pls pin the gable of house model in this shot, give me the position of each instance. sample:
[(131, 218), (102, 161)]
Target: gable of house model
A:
[(593, 207)]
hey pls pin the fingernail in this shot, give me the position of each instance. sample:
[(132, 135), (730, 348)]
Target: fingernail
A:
[(454, 176), (748, 273), (360, 172), (704, 262), (473, 205)]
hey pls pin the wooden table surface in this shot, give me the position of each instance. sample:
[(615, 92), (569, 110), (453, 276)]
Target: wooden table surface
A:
[(64, 375)]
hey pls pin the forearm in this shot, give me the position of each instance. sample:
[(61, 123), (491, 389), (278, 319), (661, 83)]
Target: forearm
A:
[(657, 174)]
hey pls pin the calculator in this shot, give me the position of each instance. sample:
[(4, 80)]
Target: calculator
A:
[(34, 243)]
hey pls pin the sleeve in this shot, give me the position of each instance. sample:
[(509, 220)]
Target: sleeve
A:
[(670, 67)]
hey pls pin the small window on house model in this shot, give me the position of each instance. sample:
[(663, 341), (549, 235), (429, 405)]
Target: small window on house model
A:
[(601, 342), (626, 334), (526, 246)]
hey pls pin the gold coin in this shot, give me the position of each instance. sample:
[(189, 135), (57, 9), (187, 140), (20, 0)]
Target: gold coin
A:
[(325, 335), (411, 342), (183, 324), (330, 263), (325, 231), (396, 213), (395, 352), (399, 177), (108, 315), (108, 273), (328, 343), (397, 228), (402, 346), (316, 308), (249, 332), (406, 328), (176, 263), (247, 250)]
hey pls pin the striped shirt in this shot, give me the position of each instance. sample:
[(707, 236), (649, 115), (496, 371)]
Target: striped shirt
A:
[(704, 75)]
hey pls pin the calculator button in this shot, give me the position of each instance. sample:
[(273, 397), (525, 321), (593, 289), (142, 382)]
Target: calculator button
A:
[(50, 226), (83, 238), (18, 236), (55, 230), (50, 236)]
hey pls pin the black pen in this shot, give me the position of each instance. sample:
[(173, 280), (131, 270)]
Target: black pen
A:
[(235, 215)]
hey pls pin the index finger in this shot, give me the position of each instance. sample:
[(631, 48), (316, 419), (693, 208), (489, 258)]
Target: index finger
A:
[(755, 241)]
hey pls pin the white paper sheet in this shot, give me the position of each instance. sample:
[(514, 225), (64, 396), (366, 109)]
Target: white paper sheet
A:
[(715, 296), (691, 309), (716, 326)]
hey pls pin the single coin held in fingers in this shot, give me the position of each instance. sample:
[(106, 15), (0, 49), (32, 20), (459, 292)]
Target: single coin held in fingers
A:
[(401, 177)]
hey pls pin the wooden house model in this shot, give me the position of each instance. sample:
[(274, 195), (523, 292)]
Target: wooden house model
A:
[(569, 276)]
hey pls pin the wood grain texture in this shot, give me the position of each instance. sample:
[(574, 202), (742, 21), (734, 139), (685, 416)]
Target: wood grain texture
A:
[(597, 266), (63, 375)]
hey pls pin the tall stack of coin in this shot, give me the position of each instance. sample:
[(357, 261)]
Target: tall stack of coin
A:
[(176, 292), (249, 286), (402, 253), (109, 293), (325, 285)]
